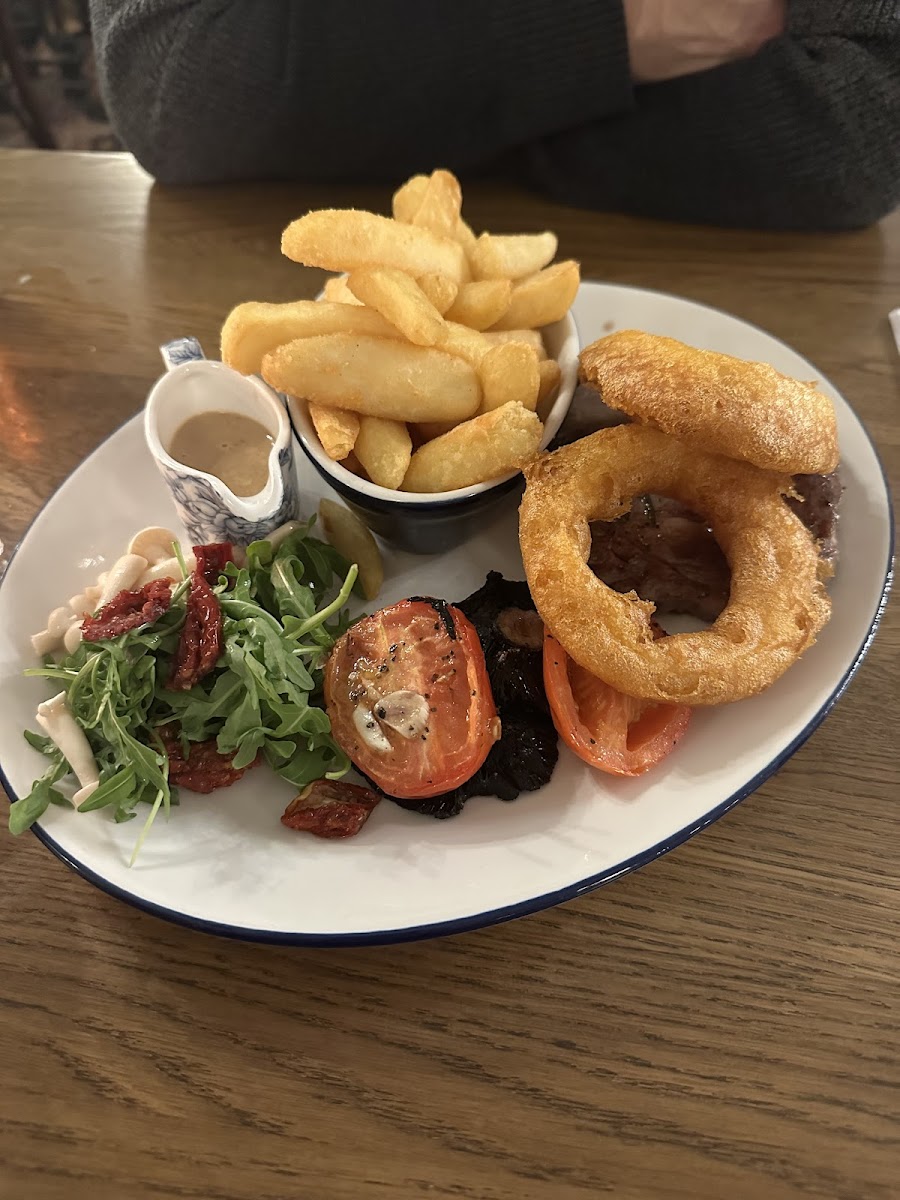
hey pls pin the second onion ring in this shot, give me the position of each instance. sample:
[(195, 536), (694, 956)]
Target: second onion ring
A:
[(777, 603)]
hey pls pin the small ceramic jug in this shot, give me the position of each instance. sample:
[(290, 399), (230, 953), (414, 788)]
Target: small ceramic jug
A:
[(210, 511)]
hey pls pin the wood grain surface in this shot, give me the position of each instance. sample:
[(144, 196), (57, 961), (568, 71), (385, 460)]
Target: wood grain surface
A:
[(721, 1024)]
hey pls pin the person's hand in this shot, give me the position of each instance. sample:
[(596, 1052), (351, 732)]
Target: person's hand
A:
[(667, 38)]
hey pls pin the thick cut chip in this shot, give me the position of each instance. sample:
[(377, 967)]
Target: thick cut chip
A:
[(475, 451), (482, 303), (407, 199), (550, 376), (251, 330), (441, 204), (336, 289), (465, 343), (465, 235), (379, 377), (543, 298), (338, 429), (400, 300), (407, 203), (384, 449), (509, 372), (531, 337), (346, 239), (440, 290), (515, 256)]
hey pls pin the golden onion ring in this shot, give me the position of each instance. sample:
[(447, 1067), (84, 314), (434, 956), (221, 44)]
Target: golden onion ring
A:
[(744, 410), (777, 603)]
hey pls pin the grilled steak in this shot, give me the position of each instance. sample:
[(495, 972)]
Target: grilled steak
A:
[(667, 554), (817, 507)]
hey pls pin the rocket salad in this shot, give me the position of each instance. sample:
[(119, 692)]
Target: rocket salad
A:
[(279, 615)]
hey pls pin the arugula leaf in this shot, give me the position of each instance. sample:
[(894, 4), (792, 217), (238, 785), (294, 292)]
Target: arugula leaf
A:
[(317, 619), (310, 762), (280, 752), (293, 597), (118, 789), (248, 747), (281, 614), (245, 716), (150, 819), (40, 742), (295, 719), (23, 813), (58, 800)]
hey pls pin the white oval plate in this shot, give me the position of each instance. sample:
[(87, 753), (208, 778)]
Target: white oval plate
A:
[(225, 864)]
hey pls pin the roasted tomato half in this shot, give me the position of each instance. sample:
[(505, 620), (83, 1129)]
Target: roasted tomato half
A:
[(409, 699), (608, 730)]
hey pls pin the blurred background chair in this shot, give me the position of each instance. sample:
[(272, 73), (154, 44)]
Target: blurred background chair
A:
[(48, 88)]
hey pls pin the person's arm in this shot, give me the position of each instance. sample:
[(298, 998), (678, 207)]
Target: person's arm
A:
[(803, 135), (206, 90)]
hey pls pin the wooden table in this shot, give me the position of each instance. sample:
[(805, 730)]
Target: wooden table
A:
[(721, 1024)]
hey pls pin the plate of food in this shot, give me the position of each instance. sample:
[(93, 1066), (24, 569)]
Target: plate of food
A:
[(254, 718)]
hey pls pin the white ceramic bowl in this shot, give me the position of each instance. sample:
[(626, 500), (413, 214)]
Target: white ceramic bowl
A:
[(432, 522)]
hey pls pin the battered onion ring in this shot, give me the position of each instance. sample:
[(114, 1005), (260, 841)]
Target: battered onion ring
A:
[(745, 410), (777, 604)]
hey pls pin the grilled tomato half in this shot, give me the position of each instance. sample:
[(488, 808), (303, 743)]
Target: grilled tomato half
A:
[(409, 699)]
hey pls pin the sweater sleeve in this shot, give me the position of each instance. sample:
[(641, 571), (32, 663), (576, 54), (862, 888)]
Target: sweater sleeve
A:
[(804, 135), (208, 90)]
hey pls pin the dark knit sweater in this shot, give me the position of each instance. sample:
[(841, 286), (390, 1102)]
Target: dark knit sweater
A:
[(804, 135)]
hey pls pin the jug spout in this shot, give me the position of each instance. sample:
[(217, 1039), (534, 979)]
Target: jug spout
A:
[(210, 511)]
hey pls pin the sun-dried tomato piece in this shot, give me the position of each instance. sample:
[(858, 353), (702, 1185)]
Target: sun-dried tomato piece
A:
[(330, 809), (128, 610), (201, 643), (205, 769), (212, 559)]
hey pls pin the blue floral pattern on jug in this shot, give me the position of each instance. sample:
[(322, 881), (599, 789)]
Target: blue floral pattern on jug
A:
[(201, 506), (181, 350)]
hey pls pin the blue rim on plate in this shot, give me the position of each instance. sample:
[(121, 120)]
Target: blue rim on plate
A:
[(508, 912)]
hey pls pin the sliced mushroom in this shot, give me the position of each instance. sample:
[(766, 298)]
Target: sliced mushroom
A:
[(277, 536), (55, 718), (59, 621), (169, 568), (153, 543), (521, 626), (80, 604), (85, 793), (122, 576), (86, 601), (72, 639), (44, 643)]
